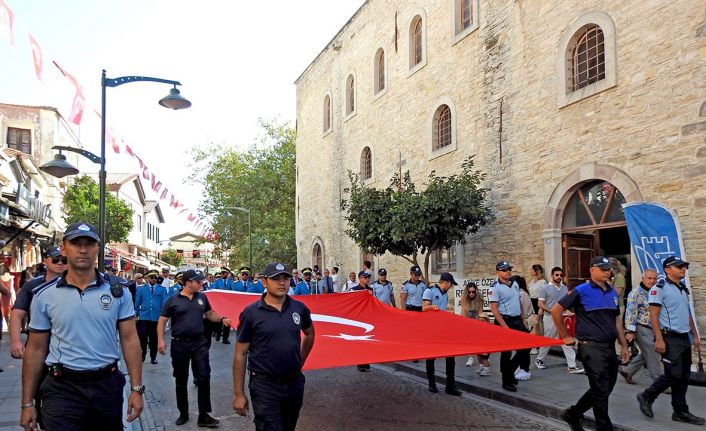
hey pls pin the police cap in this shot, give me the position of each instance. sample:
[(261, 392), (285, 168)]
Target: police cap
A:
[(675, 261), (601, 262), (502, 265), (445, 276), (274, 269), (80, 229), (415, 270)]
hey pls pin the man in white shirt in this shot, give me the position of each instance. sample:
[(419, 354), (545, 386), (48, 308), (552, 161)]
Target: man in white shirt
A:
[(336, 279), (350, 282), (167, 282)]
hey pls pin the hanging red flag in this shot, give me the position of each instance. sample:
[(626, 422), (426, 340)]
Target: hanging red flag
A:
[(112, 140), (355, 328), (6, 22), (37, 56), (77, 107)]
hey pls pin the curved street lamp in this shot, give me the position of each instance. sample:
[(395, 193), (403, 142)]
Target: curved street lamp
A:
[(59, 167)]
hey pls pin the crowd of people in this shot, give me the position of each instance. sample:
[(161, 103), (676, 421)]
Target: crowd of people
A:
[(72, 312)]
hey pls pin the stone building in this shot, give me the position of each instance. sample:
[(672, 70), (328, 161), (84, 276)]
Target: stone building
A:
[(571, 107)]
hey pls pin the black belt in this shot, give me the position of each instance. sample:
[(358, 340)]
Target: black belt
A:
[(645, 326), (286, 379), (188, 339), (410, 307), (597, 343), (669, 332), (59, 371)]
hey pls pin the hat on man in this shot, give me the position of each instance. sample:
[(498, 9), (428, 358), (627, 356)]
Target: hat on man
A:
[(306, 270), (674, 261), (53, 252), (244, 269), (601, 262), (274, 269), (502, 265), (165, 270), (192, 275), (151, 273), (80, 229), (363, 274), (179, 275), (224, 269), (445, 276), (382, 271), (415, 270)]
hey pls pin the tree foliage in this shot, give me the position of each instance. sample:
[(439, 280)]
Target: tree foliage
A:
[(81, 205), (171, 257), (261, 179), (406, 222)]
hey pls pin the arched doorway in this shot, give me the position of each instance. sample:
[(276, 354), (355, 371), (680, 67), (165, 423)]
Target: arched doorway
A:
[(593, 223)]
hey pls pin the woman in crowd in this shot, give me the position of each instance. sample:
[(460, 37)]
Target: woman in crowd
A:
[(530, 319), (472, 307), (536, 285)]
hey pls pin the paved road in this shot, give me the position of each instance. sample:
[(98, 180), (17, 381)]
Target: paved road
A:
[(343, 399)]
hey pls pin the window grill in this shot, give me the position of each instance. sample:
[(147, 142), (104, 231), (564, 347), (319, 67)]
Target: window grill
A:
[(442, 128), (366, 164), (588, 58), (19, 139)]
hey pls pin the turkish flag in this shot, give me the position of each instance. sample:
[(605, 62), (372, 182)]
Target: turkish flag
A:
[(6, 22), (355, 328), (77, 107), (36, 56)]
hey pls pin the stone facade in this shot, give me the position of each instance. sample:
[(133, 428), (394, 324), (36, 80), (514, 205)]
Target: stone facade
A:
[(643, 129)]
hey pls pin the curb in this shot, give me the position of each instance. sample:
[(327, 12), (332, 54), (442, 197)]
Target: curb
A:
[(500, 396)]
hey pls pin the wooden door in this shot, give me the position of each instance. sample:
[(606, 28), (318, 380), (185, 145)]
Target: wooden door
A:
[(578, 251)]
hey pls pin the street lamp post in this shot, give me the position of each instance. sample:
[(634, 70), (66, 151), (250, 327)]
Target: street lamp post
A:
[(59, 167), (245, 210)]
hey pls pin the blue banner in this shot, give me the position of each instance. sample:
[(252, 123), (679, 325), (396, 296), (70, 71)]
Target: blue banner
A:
[(654, 234)]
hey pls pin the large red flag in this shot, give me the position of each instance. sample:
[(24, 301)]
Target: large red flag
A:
[(355, 328), (6, 22)]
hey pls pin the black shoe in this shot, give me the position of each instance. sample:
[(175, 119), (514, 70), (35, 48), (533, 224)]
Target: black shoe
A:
[(509, 387), (218, 337), (574, 422), (226, 342), (154, 362), (181, 420), (453, 390), (645, 405), (688, 418), (205, 420), (433, 389), (363, 368)]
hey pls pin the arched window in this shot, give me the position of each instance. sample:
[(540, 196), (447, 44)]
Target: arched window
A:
[(588, 57), (379, 69), (366, 164), (596, 204), (327, 113), (317, 256), (416, 42), (442, 128), (350, 95)]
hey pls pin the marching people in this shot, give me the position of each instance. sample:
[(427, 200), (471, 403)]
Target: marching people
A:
[(383, 290), (598, 325), (243, 282), (336, 279), (188, 345), (270, 341), (535, 286), (304, 287), (176, 286), (77, 343), (363, 284), (165, 279), (472, 307), (256, 285), (529, 319), (436, 298), (413, 290), (672, 325), (149, 301), (549, 295), (225, 282), (639, 330), (504, 298)]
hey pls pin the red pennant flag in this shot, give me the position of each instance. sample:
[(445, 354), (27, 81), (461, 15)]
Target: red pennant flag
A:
[(37, 56), (355, 328), (77, 107), (112, 140), (7, 19), (163, 196)]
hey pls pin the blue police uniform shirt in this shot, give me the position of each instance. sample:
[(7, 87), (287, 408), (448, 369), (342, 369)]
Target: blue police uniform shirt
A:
[(414, 292), (222, 284), (383, 292), (241, 286), (673, 301), (274, 336), (83, 324), (255, 287), (173, 289), (302, 288), (507, 297), (437, 297), (595, 309), (149, 301)]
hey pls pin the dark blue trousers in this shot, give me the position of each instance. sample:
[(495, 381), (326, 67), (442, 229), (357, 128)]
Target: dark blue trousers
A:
[(276, 406), (194, 353), (601, 365)]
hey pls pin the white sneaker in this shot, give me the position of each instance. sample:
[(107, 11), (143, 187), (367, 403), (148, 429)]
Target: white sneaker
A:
[(480, 369), (534, 351), (469, 362), (523, 375), (483, 371), (575, 370)]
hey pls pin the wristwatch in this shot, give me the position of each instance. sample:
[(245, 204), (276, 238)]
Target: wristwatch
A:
[(139, 389)]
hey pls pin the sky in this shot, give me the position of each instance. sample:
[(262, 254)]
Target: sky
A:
[(237, 62)]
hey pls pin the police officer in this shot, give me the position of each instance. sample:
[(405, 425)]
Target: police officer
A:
[(598, 324), (383, 290), (672, 322), (363, 284), (225, 282), (243, 282), (504, 298), (413, 290), (186, 311), (176, 286), (270, 340), (436, 299), (305, 286), (76, 341), (149, 300), (255, 285)]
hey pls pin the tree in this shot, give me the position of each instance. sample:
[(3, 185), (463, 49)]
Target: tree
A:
[(81, 205), (409, 223), (261, 179), (172, 257)]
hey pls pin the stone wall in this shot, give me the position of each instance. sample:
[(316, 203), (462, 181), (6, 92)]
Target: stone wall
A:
[(649, 127)]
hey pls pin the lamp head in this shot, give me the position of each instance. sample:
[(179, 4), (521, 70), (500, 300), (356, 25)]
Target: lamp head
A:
[(59, 167), (174, 100)]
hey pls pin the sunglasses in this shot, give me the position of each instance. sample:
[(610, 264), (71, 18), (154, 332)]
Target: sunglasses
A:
[(505, 270), (558, 275), (58, 259), (471, 292)]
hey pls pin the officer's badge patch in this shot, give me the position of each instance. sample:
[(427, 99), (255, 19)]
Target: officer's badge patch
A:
[(653, 293), (297, 318), (106, 301), (279, 267), (200, 301), (84, 228)]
